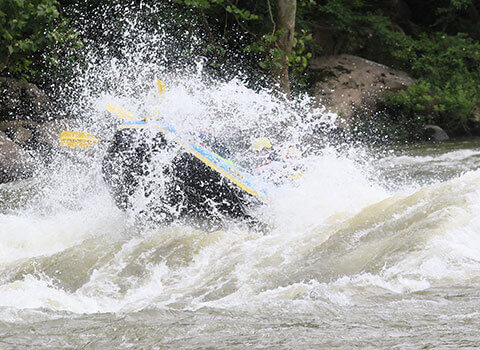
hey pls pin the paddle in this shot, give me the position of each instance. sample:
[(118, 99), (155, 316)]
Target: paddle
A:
[(225, 167), (221, 165), (77, 139)]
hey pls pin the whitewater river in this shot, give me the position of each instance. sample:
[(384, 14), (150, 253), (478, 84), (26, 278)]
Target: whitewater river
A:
[(369, 249)]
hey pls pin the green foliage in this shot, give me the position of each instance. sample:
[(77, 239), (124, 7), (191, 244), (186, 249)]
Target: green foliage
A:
[(390, 124), (345, 15), (357, 27), (300, 54), (254, 21), (270, 55), (243, 14), (425, 41), (446, 66), (404, 114), (448, 90), (29, 28), (452, 16)]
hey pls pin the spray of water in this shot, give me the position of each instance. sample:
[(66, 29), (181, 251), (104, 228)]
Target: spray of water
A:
[(336, 232)]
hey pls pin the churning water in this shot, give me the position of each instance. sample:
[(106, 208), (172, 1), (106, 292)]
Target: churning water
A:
[(364, 250)]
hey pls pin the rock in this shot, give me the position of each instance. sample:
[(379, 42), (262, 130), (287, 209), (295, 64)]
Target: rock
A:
[(347, 84), (12, 124), (15, 163), (19, 131), (49, 132), (19, 99), (21, 135), (436, 133)]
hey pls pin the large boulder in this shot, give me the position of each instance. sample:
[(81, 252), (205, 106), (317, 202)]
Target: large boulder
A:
[(436, 133), (15, 162), (19, 100), (349, 84), (20, 131)]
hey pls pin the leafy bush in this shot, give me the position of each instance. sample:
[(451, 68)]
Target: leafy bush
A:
[(448, 90), (251, 32), (28, 29)]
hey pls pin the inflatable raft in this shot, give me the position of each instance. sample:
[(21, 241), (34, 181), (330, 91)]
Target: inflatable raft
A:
[(194, 182)]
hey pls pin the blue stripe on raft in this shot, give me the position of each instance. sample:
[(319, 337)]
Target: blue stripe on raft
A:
[(235, 171)]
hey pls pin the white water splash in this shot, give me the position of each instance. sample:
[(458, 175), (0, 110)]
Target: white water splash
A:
[(337, 234)]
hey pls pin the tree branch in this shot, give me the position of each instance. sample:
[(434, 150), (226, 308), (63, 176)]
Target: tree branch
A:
[(240, 24), (271, 17), (207, 27)]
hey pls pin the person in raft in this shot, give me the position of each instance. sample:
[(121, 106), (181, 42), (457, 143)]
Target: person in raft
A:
[(275, 164)]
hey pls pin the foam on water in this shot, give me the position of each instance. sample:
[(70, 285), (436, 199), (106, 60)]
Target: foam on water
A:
[(338, 234), (395, 244)]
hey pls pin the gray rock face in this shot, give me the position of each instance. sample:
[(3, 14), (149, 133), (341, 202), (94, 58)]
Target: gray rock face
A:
[(25, 144), (19, 99), (21, 135), (348, 83), (436, 133), (15, 163), (19, 131), (27, 137)]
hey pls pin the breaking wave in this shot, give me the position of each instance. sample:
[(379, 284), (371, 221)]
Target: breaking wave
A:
[(356, 225)]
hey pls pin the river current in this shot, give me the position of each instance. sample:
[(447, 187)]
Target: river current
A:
[(372, 247), (367, 249)]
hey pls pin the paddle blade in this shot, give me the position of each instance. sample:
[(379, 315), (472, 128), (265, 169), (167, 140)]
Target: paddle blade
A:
[(77, 139), (160, 88)]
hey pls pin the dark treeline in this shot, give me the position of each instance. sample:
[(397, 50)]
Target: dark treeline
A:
[(437, 42)]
